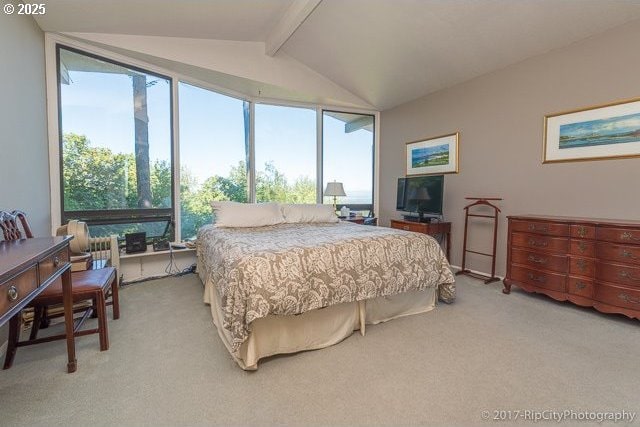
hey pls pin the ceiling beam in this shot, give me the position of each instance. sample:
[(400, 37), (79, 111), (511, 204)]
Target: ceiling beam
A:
[(357, 124), (294, 16)]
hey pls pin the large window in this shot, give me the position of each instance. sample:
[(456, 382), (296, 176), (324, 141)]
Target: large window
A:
[(285, 154), (118, 171), (348, 141), (116, 145), (214, 147)]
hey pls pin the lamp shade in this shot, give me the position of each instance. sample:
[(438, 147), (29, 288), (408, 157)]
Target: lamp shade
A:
[(334, 189)]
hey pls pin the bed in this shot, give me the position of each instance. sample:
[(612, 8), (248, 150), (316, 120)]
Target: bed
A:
[(290, 287)]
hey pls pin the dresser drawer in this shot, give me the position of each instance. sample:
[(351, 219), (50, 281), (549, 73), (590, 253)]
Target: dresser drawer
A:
[(50, 265), (15, 290), (620, 253), (547, 228), (582, 248), (618, 296), (583, 231), (582, 266), (537, 242), (618, 235), (618, 273), (541, 279), (540, 260), (580, 287)]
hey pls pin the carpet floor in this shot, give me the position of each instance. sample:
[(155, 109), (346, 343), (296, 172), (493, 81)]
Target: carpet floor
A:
[(487, 352)]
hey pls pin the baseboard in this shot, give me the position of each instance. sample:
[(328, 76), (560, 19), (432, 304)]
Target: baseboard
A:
[(458, 268)]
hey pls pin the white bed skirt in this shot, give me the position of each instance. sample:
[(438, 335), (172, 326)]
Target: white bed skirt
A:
[(314, 329)]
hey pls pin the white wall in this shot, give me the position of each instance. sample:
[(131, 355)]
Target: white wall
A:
[(24, 164), (500, 120)]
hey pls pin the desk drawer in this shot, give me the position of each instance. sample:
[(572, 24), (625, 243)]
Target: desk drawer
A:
[(546, 228), (15, 290), (50, 265)]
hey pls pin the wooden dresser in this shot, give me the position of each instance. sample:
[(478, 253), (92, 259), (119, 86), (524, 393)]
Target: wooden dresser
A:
[(590, 262)]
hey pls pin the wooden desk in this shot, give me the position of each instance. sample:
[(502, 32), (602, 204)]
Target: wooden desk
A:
[(430, 228), (358, 219), (27, 267)]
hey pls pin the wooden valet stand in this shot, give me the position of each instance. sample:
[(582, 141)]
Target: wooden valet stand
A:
[(481, 201)]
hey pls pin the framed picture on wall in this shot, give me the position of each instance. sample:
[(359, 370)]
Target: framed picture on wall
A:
[(610, 131), (436, 155)]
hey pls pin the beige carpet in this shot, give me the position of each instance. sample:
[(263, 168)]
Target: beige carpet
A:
[(167, 367)]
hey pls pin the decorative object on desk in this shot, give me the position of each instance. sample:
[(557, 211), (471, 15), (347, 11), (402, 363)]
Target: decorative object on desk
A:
[(480, 201), (596, 133), (334, 189), (136, 242), (432, 155), (345, 211)]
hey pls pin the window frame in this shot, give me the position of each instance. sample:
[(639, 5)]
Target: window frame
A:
[(53, 40), (374, 170), (113, 216)]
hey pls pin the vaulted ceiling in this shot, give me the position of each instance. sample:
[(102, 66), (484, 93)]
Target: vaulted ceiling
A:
[(385, 52)]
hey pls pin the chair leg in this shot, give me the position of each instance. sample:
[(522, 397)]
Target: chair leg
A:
[(14, 336), (102, 322), (38, 313), (95, 312), (45, 321), (115, 299)]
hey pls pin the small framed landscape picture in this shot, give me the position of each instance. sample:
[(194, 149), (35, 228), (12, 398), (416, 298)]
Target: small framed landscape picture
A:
[(432, 156), (597, 133)]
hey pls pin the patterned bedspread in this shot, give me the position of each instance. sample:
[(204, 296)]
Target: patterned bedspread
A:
[(289, 269)]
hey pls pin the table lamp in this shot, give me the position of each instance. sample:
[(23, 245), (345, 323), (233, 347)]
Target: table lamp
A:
[(334, 189)]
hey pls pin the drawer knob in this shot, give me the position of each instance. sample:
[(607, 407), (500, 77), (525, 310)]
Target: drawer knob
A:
[(536, 243), (582, 231), (581, 264), (405, 227), (533, 227), (537, 260), (626, 275), (627, 254), (629, 298), (582, 246), (12, 293), (56, 261), (580, 285), (628, 236)]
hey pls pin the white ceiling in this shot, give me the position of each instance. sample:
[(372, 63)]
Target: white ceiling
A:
[(386, 52)]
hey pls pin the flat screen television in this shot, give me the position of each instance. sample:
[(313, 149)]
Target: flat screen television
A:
[(420, 197)]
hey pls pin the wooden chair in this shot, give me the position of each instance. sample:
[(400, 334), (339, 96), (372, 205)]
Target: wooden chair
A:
[(92, 285)]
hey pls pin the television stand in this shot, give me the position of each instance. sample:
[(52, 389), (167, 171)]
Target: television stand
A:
[(434, 229)]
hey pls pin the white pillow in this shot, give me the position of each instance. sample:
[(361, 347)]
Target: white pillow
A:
[(234, 214), (295, 213)]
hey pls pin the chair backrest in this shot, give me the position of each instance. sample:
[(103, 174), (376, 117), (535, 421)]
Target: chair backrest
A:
[(11, 228)]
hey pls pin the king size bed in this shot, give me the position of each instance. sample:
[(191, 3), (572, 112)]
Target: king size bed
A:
[(303, 282)]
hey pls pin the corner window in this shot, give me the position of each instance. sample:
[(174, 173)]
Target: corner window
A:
[(115, 144)]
